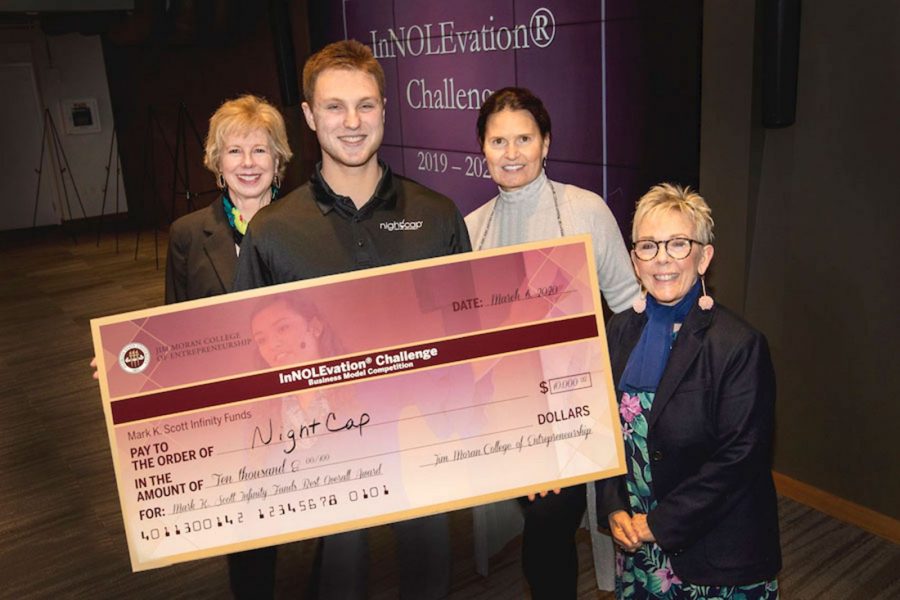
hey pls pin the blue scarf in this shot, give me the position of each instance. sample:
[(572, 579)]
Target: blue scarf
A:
[(648, 359)]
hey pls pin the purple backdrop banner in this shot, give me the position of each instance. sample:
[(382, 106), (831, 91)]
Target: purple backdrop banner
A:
[(441, 60)]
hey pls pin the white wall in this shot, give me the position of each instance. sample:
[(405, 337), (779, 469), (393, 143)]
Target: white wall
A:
[(21, 125), (61, 67)]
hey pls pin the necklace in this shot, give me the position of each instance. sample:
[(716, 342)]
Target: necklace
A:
[(487, 227)]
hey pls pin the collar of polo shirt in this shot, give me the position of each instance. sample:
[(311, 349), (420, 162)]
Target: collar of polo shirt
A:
[(385, 195)]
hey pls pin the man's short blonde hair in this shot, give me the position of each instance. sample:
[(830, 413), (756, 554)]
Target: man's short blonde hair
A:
[(671, 197), (350, 55), (241, 116)]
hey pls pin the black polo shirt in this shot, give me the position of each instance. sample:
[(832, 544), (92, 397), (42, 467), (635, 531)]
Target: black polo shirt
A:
[(313, 232)]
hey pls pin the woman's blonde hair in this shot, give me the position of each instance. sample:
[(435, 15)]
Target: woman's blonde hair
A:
[(671, 197), (241, 116)]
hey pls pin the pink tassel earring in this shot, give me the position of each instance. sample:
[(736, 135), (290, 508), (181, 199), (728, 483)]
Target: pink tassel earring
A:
[(640, 303), (706, 302)]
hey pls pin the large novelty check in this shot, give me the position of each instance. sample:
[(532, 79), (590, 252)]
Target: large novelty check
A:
[(311, 408)]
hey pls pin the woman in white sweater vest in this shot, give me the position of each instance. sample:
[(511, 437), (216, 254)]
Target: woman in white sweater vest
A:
[(514, 133)]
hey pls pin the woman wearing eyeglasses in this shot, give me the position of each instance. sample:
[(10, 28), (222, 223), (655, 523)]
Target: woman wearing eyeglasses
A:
[(695, 516)]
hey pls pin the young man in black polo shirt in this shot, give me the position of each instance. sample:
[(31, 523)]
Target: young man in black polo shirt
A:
[(353, 214)]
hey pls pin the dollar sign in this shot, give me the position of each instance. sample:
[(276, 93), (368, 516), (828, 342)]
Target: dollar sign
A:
[(544, 387)]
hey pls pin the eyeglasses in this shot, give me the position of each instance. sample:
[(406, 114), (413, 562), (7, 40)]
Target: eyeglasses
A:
[(678, 248)]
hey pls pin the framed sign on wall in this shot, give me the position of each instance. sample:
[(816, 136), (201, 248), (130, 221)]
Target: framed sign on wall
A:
[(81, 115)]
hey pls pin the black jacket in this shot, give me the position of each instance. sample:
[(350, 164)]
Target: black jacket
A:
[(709, 441), (202, 257)]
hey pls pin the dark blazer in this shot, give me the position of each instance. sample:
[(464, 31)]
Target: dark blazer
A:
[(709, 440), (202, 257)]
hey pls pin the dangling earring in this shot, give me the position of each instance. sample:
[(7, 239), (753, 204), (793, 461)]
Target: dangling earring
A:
[(640, 303), (276, 187), (220, 180), (706, 302), (544, 164)]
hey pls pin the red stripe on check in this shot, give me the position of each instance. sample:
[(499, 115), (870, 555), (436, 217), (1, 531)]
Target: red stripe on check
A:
[(259, 385)]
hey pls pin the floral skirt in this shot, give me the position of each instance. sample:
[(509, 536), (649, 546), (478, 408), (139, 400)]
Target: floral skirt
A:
[(647, 573)]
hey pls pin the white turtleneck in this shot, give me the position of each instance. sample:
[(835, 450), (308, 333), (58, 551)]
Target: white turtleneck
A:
[(528, 214)]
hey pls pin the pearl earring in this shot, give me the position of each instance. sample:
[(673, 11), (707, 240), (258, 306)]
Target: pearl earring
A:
[(706, 302)]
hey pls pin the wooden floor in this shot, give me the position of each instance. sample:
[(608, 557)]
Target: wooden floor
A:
[(61, 533)]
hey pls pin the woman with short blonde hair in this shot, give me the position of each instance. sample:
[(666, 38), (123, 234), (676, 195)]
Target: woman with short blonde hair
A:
[(240, 116), (247, 150), (696, 515), (667, 196)]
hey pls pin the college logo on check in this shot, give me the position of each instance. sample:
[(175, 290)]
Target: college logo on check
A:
[(134, 358)]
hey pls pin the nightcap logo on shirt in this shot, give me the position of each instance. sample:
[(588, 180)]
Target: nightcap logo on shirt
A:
[(134, 358), (403, 225)]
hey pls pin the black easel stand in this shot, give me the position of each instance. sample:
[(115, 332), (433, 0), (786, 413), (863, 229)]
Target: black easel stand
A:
[(180, 169), (112, 144), (184, 174), (148, 181), (50, 137)]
